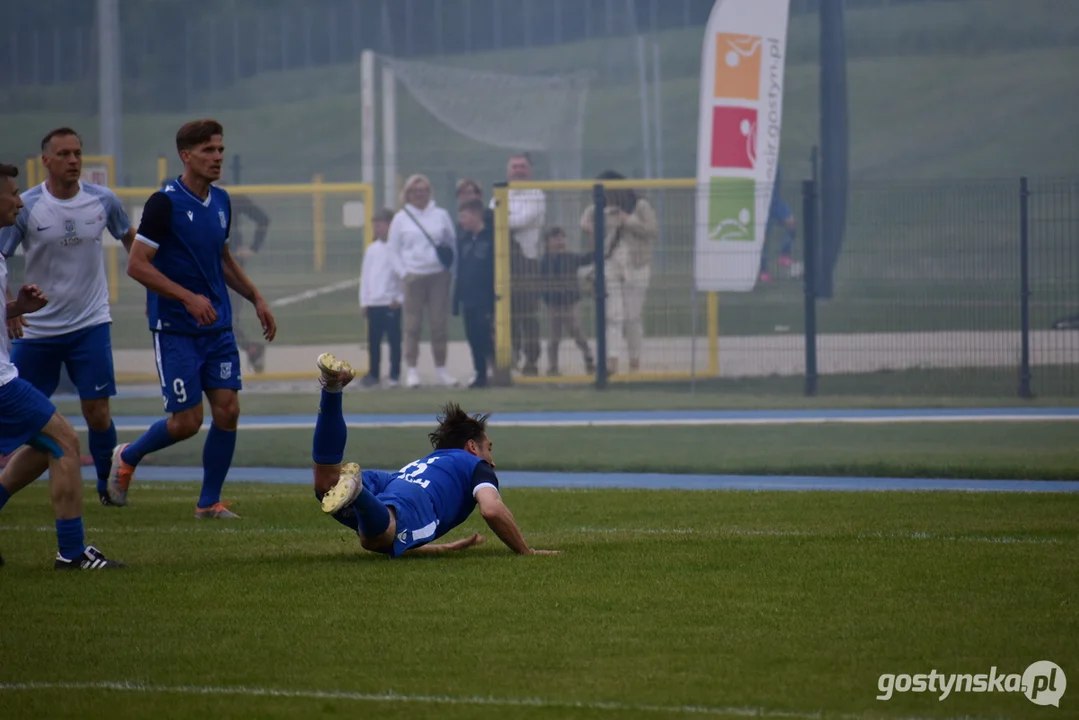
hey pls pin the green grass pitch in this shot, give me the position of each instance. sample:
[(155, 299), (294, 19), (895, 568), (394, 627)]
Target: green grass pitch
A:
[(663, 604)]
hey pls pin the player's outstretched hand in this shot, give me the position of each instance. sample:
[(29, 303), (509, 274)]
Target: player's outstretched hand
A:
[(465, 543), (15, 326), (201, 309), (269, 325), (30, 299)]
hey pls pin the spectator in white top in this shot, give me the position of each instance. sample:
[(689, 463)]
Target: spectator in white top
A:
[(421, 240), (381, 296), (527, 214)]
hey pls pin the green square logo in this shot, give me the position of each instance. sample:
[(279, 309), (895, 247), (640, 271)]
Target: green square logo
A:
[(731, 203)]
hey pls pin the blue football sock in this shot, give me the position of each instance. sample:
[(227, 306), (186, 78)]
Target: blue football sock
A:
[(70, 538), (331, 433), (101, 445), (155, 438), (373, 515), (216, 461), (4, 496)]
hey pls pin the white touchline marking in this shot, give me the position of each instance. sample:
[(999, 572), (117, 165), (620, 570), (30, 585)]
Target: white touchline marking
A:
[(447, 700), (669, 422)]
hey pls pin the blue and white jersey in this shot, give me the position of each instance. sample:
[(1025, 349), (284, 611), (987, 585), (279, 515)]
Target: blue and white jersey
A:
[(7, 370), (189, 235), (62, 240), (450, 479)]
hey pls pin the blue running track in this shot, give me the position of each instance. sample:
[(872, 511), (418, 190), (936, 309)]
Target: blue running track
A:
[(655, 481)]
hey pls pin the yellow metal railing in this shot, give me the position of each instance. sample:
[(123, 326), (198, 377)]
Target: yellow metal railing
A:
[(316, 192), (669, 307), (503, 306)]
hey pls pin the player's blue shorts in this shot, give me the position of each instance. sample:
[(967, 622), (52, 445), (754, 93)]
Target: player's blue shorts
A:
[(416, 520), (190, 364), (24, 413), (87, 353)]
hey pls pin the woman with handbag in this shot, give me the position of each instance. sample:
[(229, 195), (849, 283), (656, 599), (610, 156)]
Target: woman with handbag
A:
[(631, 228), (421, 242)]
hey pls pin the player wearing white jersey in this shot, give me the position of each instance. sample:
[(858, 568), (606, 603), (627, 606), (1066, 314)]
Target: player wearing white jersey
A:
[(61, 227), (36, 435)]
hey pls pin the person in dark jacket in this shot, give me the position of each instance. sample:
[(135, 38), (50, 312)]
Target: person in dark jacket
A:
[(474, 291), (561, 295)]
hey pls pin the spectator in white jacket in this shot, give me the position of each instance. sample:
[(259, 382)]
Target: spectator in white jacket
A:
[(527, 214), (381, 296), (418, 230)]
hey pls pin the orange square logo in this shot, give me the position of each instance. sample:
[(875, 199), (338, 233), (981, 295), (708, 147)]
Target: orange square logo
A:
[(738, 66)]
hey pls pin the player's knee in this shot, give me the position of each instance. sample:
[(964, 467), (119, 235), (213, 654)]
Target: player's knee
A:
[(96, 413), (186, 424), (65, 436), (226, 415), (377, 544)]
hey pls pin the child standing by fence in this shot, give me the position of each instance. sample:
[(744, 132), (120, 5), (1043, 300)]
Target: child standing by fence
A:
[(381, 296), (562, 295)]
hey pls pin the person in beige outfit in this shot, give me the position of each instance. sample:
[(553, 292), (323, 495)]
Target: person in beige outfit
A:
[(416, 233), (631, 228)]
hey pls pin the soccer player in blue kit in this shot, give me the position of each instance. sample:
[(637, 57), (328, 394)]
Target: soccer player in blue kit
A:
[(61, 228), (38, 437), (403, 512), (181, 255)]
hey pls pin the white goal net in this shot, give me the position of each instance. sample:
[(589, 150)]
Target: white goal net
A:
[(538, 113)]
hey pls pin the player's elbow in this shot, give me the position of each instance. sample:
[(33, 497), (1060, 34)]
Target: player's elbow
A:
[(492, 512)]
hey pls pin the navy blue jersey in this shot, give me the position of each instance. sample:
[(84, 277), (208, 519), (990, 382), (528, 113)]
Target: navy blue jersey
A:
[(189, 235), (450, 479)]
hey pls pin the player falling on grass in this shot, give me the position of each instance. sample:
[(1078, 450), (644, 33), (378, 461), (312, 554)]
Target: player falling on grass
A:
[(60, 228), (40, 438), (395, 513), (181, 255)]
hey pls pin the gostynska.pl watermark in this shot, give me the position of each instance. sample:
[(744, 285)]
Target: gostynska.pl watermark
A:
[(1042, 683)]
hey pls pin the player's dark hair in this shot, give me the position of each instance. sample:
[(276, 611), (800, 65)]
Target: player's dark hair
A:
[(553, 231), (58, 132), (468, 184), (472, 205), (8, 171), (456, 428), (197, 132)]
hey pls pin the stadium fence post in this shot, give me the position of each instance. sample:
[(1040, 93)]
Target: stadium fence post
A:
[(162, 169), (713, 332), (503, 307), (809, 225), (1024, 287), (599, 200)]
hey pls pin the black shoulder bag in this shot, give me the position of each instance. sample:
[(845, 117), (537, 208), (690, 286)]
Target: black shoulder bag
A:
[(444, 252)]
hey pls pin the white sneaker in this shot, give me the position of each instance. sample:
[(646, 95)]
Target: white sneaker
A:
[(391, 383), (446, 379), (413, 379), (344, 493), (336, 374)]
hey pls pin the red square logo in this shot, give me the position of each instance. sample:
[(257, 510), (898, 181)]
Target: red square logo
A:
[(734, 137)]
